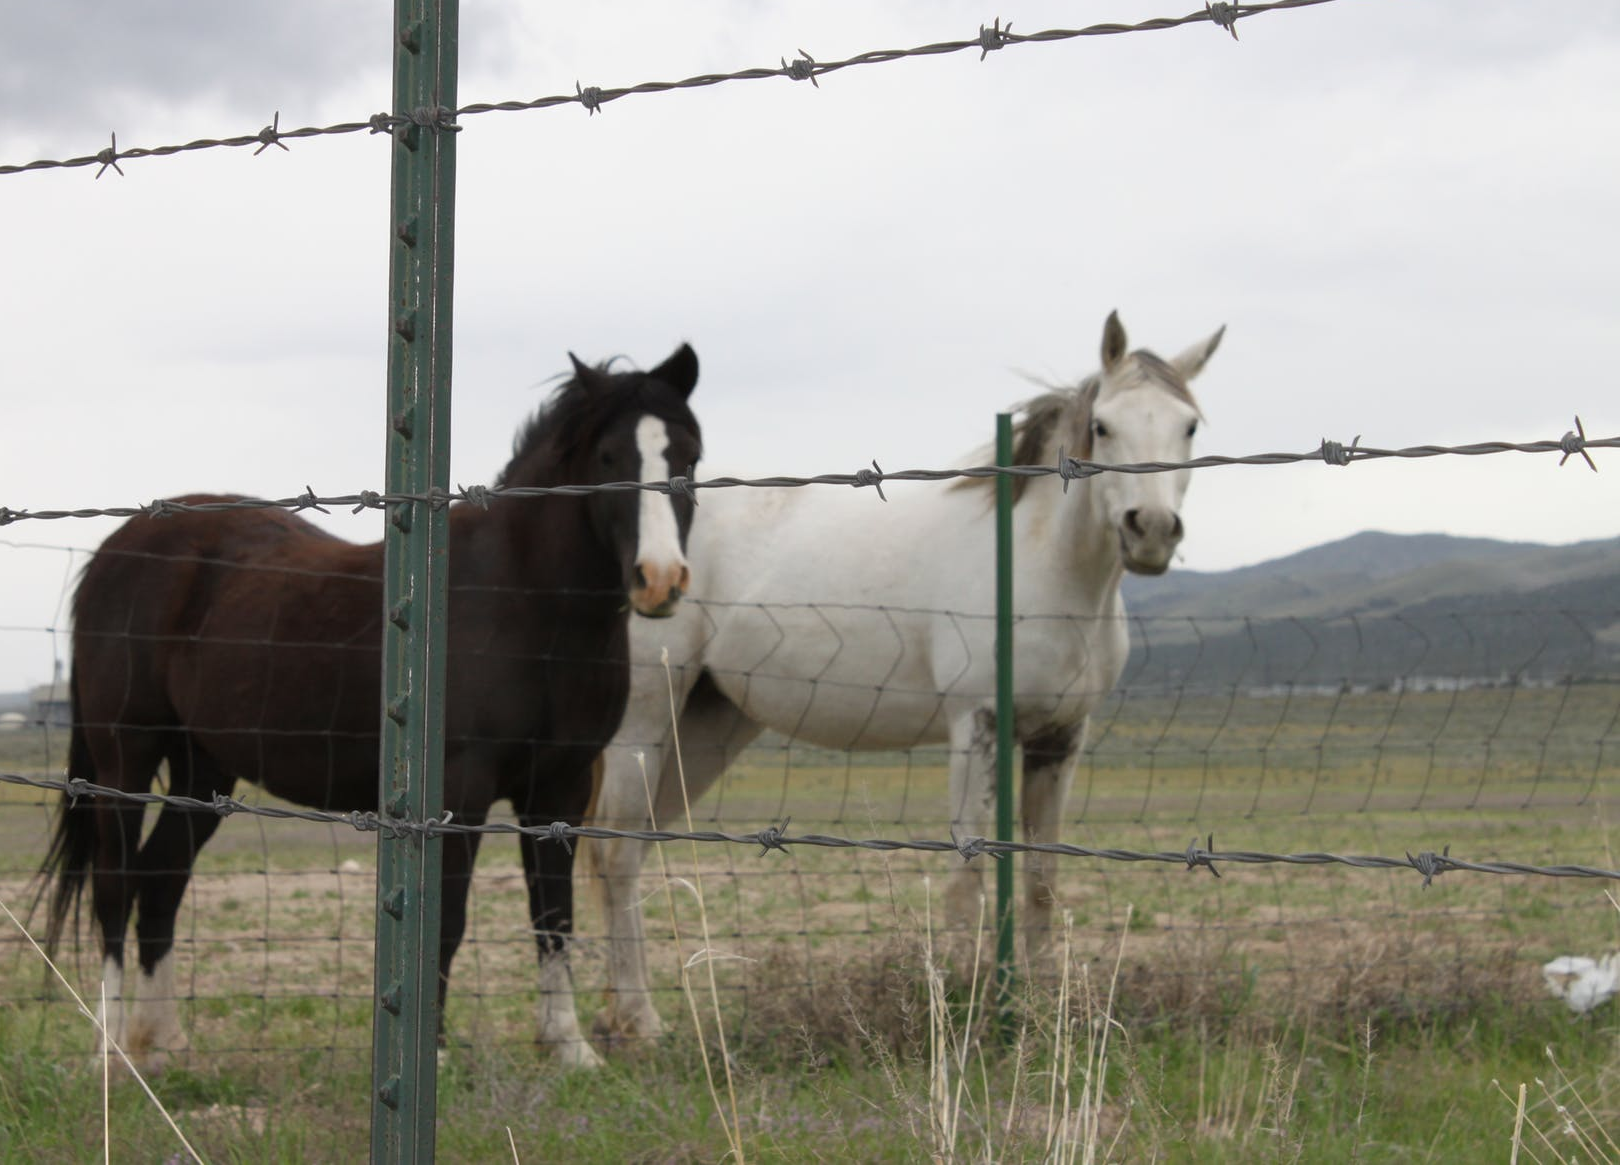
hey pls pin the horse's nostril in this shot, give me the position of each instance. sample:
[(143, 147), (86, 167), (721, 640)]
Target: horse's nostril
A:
[(640, 578), (1177, 529), (1133, 521)]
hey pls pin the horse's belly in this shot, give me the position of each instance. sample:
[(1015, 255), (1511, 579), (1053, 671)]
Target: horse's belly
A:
[(855, 678)]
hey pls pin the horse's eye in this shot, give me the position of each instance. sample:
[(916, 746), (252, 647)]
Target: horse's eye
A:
[(1192, 428), (1098, 429)]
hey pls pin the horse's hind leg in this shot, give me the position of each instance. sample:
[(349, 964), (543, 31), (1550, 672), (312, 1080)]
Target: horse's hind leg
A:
[(1050, 758), (118, 834), (164, 870)]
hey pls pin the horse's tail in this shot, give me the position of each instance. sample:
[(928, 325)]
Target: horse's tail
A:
[(67, 862)]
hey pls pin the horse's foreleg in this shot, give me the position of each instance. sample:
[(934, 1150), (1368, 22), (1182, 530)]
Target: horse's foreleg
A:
[(973, 802), (712, 733), (1050, 757), (153, 1031), (548, 867), (457, 858), (629, 786)]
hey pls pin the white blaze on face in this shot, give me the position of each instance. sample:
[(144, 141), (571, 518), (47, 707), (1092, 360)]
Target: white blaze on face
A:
[(659, 560)]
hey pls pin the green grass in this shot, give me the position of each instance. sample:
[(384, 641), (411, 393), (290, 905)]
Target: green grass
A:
[(1274, 1014)]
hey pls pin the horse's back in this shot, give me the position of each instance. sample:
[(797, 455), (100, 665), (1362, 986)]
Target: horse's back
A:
[(225, 621), (829, 614)]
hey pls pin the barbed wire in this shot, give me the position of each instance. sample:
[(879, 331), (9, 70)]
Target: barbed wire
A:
[(775, 837), (1572, 444), (803, 67)]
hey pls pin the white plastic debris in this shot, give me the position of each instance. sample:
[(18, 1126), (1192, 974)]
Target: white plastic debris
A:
[(1581, 982)]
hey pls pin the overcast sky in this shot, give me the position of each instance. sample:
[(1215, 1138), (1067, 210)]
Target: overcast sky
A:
[(1403, 211)]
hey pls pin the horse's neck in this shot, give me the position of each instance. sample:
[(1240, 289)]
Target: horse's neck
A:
[(507, 546), (1065, 541)]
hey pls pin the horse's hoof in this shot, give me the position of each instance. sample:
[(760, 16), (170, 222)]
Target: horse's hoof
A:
[(613, 1028), (574, 1054)]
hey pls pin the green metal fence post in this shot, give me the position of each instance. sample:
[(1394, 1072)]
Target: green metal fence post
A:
[(1004, 706), (416, 559)]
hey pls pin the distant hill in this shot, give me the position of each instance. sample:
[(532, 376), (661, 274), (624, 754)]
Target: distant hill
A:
[(1378, 608)]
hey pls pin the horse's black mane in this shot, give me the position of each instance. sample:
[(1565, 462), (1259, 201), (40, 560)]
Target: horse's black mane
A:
[(568, 421)]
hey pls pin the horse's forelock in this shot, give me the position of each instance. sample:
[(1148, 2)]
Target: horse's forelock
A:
[(568, 422), (1159, 371)]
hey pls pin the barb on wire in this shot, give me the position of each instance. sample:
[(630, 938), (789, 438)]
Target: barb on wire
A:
[(109, 157), (872, 477), (1427, 863), (1223, 15), (270, 135), (1067, 468), (1575, 442), (801, 68), (1336, 454), (993, 38)]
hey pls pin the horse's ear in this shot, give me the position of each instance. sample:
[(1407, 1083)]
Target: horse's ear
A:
[(582, 370), (1113, 342), (1191, 362), (680, 371)]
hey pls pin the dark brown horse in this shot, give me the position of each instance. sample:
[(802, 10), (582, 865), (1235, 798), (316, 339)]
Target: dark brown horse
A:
[(244, 645)]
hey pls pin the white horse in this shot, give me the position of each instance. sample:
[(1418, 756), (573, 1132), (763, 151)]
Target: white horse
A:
[(840, 620)]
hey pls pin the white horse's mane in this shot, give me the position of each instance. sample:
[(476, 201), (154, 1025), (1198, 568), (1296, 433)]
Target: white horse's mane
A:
[(1068, 408)]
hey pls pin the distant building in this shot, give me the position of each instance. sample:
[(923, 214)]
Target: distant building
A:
[(51, 705), (12, 721)]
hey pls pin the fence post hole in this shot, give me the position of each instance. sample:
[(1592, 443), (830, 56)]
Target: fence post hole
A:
[(1004, 707), (406, 1018)]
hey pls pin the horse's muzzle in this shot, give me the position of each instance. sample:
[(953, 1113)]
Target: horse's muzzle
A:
[(657, 590), (1148, 537)]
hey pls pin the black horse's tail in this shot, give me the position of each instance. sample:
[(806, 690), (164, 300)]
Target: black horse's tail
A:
[(67, 862)]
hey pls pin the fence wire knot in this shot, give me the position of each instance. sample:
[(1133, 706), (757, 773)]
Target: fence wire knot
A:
[(971, 847), (560, 832), (161, 508), (381, 122), (308, 501), (9, 515), (1065, 468), (993, 38), (1073, 469), (683, 486), (109, 157), (433, 826), (1204, 856), (1224, 15), (477, 495), (370, 499), (1575, 442), (224, 805), (1336, 454), (590, 97), (872, 477), (270, 135), (801, 68), (1430, 864), (436, 117), (771, 836), (74, 788)]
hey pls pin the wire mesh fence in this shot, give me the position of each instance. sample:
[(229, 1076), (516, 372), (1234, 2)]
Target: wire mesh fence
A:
[(1403, 757)]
